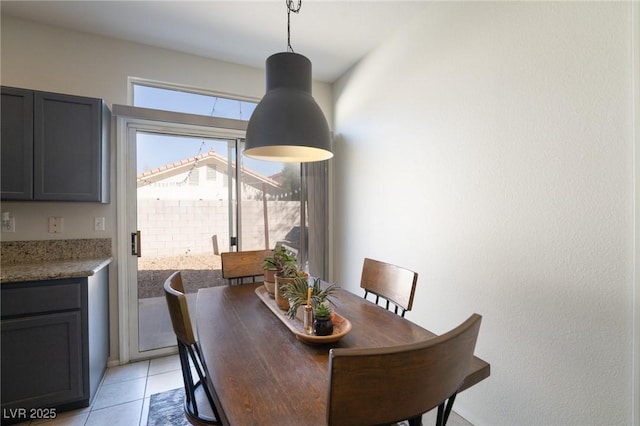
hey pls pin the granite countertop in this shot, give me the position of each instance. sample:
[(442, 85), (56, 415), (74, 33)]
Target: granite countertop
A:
[(50, 260), (52, 270)]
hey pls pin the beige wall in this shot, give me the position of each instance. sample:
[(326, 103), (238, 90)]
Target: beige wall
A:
[(45, 58), (506, 133)]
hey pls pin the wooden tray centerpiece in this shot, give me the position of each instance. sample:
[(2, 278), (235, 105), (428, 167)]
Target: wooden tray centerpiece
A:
[(341, 325)]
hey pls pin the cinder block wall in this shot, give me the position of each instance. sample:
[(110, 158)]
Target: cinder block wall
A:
[(179, 227)]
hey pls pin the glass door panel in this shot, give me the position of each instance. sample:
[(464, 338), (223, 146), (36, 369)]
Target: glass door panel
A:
[(269, 205), (185, 200)]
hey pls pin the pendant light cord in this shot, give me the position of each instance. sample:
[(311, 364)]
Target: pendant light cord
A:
[(294, 9)]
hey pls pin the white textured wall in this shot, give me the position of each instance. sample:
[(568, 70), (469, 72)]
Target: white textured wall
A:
[(504, 133), (46, 58)]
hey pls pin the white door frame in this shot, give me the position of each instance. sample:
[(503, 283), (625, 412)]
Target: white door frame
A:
[(130, 120), (635, 72)]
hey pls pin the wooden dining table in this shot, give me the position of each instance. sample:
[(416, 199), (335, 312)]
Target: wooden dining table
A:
[(261, 374)]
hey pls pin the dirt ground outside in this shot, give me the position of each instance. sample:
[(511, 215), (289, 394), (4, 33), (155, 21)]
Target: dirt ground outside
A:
[(198, 271)]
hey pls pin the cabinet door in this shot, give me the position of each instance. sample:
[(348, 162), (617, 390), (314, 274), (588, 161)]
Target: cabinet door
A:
[(16, 148), (67, 148), (42, 360)]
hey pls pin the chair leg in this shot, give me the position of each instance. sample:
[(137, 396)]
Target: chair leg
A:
[(447, 411), (189, 387), (416, 421), (197, 361), (444, 410), (440, 415)]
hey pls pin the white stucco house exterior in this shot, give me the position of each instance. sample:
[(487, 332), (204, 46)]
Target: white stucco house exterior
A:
[(203, 177)]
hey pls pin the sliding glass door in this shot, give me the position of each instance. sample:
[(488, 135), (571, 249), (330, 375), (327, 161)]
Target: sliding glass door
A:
[(185, 195), (192, 198), (184, 213)]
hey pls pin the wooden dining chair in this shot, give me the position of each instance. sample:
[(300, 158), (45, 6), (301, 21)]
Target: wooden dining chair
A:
[(198, 404), (374, 386), (238, 266), (394, 284)]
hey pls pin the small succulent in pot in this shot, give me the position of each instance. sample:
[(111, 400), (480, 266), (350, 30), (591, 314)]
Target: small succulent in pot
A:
[(291, 270), (279, 260), (322, 325), (285, 278), (323, 311), (297, 292)]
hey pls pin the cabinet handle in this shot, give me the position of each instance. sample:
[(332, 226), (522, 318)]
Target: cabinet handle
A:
[(135, 244)]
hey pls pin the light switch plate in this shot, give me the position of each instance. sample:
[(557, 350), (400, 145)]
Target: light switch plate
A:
[(98, 223)]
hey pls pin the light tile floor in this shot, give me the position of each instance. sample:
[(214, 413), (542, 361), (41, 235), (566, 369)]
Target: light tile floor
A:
[(123, 396)]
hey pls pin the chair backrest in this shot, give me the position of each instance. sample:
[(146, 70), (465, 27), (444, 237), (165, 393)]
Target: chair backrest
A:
[(391, 282), (243, 264), (178, 308), (384, 385)]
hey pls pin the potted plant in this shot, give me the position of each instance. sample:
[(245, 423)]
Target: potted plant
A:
[(289, 272), (274, 265), (297, 292), (322, 325)]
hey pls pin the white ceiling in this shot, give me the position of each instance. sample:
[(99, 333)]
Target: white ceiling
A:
[(334, 35)]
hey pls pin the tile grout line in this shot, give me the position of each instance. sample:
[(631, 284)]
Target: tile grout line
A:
[(144, 394), (102, 384)]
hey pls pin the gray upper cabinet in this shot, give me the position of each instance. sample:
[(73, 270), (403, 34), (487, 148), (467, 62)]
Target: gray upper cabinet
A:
[(16, 150), (69, 147)]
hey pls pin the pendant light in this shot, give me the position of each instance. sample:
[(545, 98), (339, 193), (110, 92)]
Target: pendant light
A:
[(288, 125)]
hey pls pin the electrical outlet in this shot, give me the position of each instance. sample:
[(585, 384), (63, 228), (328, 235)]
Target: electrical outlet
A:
[(56, 225), (9, 225), (98, 223)]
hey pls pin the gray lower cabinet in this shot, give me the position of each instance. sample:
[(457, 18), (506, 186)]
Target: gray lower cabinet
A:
[(55, 344), (54, 147)]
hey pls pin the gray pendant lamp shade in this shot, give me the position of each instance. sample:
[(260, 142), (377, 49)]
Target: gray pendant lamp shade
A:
[(288, 125)]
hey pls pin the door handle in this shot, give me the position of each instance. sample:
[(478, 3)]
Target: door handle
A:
[(135, 244)]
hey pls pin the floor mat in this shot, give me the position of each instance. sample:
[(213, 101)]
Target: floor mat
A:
[(166, 409)]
